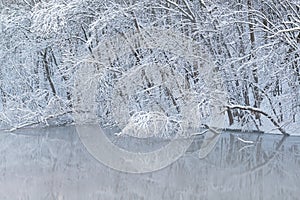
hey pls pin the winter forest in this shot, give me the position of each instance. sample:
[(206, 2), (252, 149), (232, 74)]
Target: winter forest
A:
[(152, 62)]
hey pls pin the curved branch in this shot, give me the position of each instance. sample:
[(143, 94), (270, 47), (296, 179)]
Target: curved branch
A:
[(256, 110)]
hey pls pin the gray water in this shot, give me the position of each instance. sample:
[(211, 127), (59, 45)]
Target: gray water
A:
[(52, 163)]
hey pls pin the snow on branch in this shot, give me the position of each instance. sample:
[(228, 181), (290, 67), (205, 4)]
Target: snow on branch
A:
[(190, 16), (147, 124), (257, 110)]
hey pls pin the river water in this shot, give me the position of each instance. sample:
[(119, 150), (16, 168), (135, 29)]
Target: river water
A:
[(52, 163)]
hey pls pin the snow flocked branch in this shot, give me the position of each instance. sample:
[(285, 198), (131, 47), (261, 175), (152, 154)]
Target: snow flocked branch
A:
[(258, 111)]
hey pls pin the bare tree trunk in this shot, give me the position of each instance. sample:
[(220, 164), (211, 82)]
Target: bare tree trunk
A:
[(47, 71), (256, 92)]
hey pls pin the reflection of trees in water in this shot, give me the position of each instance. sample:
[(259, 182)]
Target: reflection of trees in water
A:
[(267, 167), (232, 152), (57, 165)]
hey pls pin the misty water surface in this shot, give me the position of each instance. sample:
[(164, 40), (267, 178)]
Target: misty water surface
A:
[(53, 164)]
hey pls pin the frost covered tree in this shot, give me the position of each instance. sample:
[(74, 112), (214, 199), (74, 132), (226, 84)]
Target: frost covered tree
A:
[(253, 48)]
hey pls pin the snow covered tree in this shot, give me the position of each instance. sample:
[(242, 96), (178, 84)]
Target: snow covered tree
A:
[(253, 48)]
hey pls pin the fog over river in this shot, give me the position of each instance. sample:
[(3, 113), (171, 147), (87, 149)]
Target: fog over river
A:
[(52, 163)]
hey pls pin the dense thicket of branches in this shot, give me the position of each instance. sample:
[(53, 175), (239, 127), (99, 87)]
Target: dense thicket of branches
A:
[(254, 46)]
